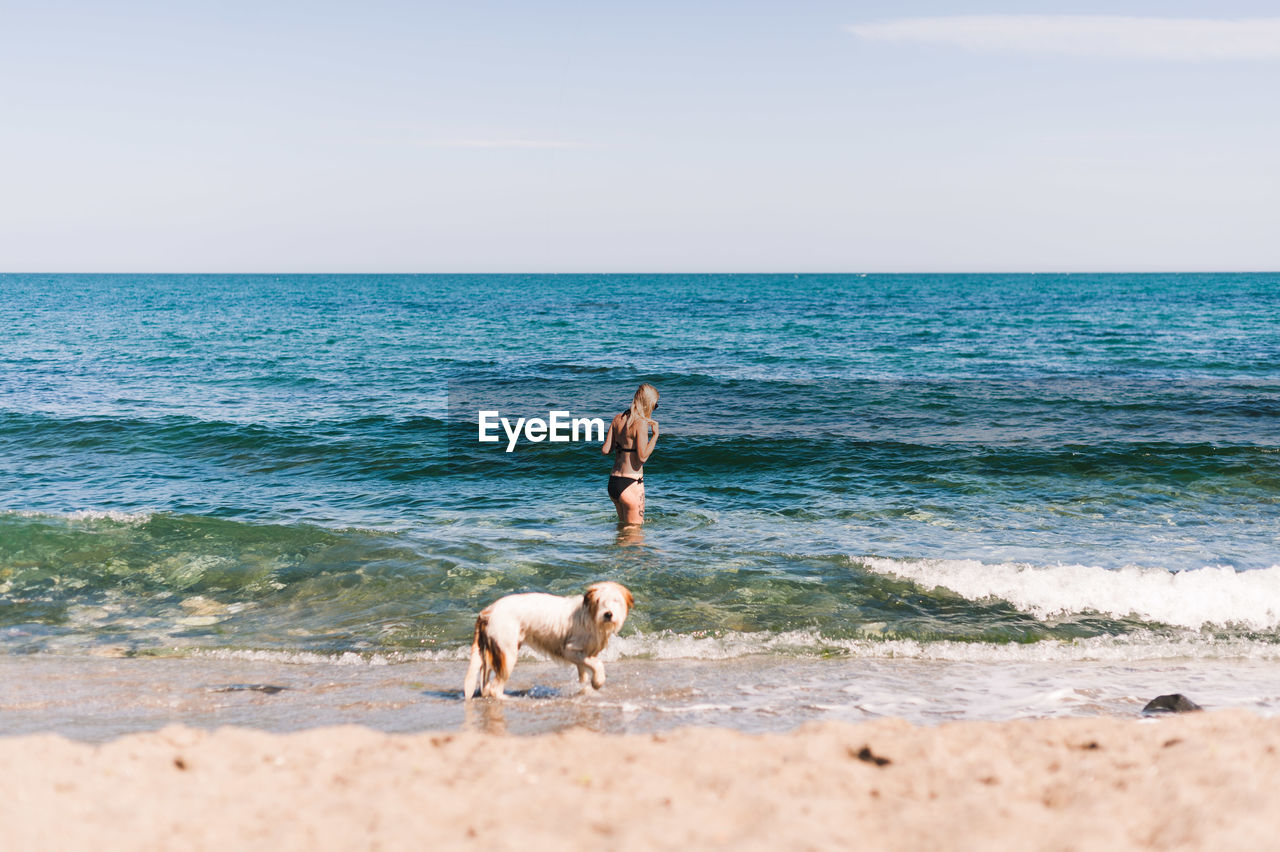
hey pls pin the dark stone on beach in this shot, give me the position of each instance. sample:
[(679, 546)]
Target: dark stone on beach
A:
[(265, 688), (866, 756), (1176, 703)]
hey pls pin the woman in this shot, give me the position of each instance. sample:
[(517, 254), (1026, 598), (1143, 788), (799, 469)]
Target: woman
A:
[(630, 440)]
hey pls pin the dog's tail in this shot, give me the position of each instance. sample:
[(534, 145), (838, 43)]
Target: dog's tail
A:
[(486, 658)]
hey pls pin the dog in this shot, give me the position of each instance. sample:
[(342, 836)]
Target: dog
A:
[(573, 628)]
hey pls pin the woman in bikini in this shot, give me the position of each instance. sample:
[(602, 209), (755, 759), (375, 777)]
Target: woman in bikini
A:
[(631, 441)]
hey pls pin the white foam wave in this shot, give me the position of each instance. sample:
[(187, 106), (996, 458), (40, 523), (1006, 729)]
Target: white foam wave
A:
[(344, 658), (89, 515), (1126, 648), (665, 645), (1213, 595)]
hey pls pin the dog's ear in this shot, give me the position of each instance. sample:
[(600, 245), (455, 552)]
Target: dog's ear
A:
[(631, 602), (591, 600)]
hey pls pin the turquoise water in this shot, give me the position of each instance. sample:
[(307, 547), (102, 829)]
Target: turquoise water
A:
[(848, 464)]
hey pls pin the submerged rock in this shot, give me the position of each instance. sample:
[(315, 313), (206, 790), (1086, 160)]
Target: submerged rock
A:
[(1175, 703), (268, 688)]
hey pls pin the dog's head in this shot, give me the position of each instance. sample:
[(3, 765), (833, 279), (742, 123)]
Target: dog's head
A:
[(608, 604)]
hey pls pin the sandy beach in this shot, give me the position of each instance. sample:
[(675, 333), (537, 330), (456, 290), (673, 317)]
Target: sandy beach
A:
[(1196, 781)]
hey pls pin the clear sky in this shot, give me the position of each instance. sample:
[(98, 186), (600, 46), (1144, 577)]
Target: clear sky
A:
[(690, 135)]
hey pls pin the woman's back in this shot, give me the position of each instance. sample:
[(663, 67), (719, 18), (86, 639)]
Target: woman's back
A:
[(626, 460)]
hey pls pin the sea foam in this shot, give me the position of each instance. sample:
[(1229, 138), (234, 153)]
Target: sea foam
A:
[(88, 515), (1215, 595), (667, 645)]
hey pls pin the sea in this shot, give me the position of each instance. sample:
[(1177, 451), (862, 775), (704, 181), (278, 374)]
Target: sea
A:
[(264, 500)]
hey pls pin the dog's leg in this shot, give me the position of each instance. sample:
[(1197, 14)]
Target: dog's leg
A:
[(494, 688), (504, 660), (474, 673), (597, 671), (586, 666), (481, 657), (573, 655)]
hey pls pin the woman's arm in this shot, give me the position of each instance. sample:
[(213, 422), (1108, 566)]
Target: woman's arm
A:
[(642, 432), (607, 446)]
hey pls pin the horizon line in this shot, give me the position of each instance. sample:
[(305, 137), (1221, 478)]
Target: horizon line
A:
[(686, 272)]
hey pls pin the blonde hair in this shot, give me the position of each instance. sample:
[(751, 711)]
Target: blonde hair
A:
[(643, 402)]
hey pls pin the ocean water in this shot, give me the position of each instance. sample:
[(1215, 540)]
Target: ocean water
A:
[(1010, 471)]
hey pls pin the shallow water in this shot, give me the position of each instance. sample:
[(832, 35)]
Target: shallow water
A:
[(97, 699)]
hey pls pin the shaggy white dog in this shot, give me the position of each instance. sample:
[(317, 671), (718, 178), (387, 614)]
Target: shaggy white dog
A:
[(574, 628)]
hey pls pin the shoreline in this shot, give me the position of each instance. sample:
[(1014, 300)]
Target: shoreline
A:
[(1195, 781), (97, 699)]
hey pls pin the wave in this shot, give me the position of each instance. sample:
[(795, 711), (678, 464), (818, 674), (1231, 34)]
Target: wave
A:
[(337, 658), (1142, 645), (387, 449), (670, 645), (830, 452), (112, 515), (38, 425), (146, 581), (1212, 596), (374, 447), (51, 562)]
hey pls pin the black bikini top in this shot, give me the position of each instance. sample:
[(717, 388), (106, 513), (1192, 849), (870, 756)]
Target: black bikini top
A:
[(618, 449)]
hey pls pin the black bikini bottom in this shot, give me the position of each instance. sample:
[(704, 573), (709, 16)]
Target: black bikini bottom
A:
[(618, 484)]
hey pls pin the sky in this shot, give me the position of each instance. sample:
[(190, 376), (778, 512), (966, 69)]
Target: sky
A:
[(657, 136)]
